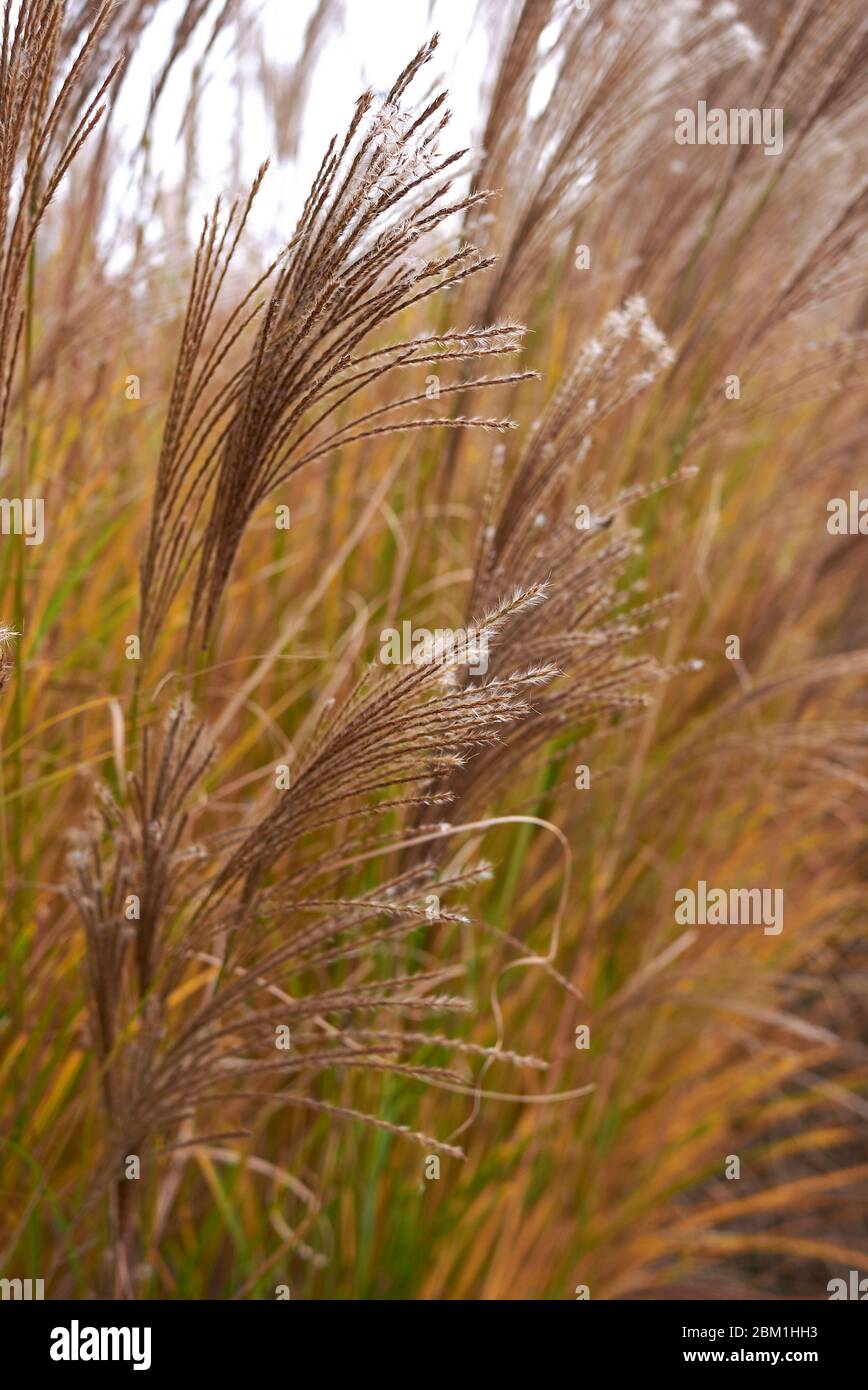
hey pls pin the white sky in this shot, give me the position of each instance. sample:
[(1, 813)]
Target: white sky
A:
[(374, 42)]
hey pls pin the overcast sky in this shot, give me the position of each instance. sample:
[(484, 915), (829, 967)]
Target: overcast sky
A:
[(374, 42)]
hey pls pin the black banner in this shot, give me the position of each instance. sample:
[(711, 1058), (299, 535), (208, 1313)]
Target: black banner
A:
[(65, 1339)]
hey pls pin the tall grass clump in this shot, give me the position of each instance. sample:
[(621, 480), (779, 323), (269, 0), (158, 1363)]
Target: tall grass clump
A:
[(300, 945)]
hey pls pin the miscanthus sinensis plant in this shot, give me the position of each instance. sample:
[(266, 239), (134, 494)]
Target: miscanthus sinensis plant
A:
[(322, 921), (262, 389)]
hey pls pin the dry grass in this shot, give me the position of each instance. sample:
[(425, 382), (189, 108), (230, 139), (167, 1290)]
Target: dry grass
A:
[(273, 831)]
